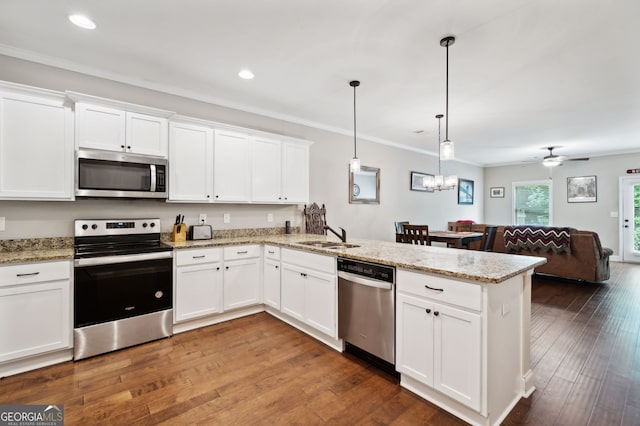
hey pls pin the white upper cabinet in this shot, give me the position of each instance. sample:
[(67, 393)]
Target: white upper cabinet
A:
[(36, 144), (191, 168), (266, 166), (111, 125), (231, 167), (295, 173)]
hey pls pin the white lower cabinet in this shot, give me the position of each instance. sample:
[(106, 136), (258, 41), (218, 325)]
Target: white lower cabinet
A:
[(271, 276), (441, 347), (308, 289), (35, 310), (198, 284), (242, 284)]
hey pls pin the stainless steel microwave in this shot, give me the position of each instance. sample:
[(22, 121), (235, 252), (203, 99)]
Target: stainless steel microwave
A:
[(120, 175)]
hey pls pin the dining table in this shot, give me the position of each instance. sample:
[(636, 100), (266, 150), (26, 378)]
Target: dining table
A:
[(456, 239)]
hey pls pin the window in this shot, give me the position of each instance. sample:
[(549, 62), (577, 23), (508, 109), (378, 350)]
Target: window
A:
[(532, 203)]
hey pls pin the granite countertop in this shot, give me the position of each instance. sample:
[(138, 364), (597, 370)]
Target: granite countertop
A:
[(463, 264)]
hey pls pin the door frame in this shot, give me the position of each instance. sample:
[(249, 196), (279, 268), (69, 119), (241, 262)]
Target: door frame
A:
[(622, 181)]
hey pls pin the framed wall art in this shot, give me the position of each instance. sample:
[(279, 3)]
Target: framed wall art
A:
[(417, 182), (465, 191), (496, 192), (582, 189)]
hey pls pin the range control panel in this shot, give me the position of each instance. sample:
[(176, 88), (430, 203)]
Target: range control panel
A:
[(97, 227)]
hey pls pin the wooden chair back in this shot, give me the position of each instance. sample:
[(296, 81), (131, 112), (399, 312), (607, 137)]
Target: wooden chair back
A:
[(416, 234), (489, 237)]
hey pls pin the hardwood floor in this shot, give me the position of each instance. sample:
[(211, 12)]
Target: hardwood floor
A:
[(259, 370)]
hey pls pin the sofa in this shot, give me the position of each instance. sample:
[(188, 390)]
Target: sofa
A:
[(586, 259)]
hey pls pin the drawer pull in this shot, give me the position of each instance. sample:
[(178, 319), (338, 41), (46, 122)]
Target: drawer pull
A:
[(198, 257), (30, 274), (436, 313), (428, 311), (433, 288), (242, 252), (271, 252)]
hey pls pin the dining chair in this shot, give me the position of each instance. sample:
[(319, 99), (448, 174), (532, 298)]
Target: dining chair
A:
[(489, 237), (400, 230), (416, 234)]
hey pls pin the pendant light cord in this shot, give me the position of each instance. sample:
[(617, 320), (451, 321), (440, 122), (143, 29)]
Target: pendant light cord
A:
[(439, 116), (355, 154), (446, 108)]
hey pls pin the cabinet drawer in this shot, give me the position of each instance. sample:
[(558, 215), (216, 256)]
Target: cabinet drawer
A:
[(241, 252), (271, 252), (34, 273), (197, 256), (319, 262), (468, 295)]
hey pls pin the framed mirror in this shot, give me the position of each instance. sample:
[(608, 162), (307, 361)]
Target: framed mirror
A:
[(364, 186)]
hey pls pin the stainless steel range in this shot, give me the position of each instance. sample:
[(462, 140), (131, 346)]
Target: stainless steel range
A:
[(123, 285)]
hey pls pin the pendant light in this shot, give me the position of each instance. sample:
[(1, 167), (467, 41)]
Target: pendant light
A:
[(446, 147), (354, 164), (440, 182)]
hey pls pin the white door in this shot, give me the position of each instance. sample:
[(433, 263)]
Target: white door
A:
[(320, 302), (457, 348), (272, 283), (198, 291), (191, 168), (100, 127), (292, 291), (231, 167), (295, 173), (265, 170), (36, 148), (241, 283), (414, 338), (147, 134), (630, 218)]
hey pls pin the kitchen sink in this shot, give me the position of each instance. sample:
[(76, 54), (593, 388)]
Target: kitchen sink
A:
[(327, 244)]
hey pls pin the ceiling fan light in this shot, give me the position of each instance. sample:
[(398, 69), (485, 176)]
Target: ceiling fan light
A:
[(447, 150)]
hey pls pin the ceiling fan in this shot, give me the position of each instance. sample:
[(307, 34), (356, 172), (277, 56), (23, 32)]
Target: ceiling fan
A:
[(553, 160)]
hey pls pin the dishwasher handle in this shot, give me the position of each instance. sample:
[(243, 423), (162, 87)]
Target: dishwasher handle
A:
[(357, 279)]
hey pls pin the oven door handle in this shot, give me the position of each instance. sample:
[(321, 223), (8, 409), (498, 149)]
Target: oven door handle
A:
[(357, 279), (108, 260)]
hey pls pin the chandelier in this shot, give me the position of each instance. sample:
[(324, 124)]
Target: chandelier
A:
[(440, 182)]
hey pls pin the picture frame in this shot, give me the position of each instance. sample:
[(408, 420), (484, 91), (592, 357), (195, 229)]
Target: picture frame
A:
[(416, 183), (496, 192), (582, 189), (465, 191)]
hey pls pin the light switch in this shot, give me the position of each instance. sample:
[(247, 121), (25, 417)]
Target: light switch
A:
[(269, 217), (613, 214)]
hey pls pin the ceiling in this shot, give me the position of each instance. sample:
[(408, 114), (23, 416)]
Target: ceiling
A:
[(523, 74)]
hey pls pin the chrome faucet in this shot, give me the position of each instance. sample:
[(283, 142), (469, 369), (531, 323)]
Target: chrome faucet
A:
[(342, 237)]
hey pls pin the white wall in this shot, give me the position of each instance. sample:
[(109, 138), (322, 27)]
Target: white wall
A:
[(587, 216), (330, 155)]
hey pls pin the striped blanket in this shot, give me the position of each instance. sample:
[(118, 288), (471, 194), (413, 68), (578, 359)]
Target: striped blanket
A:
[(544, 238)]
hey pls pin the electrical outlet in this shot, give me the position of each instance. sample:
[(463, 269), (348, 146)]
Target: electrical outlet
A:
[(269, 217), (227, 218), (202, 218), (2, 223)]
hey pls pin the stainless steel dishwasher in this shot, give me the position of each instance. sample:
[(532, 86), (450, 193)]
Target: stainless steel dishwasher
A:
[(366, 310)]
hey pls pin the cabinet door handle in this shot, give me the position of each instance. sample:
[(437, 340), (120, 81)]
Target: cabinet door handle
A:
[(198, 257), (242, 252), (122, 146), (128, 146), (30, 274), (303, 274), (226, 267), (436, 313), (216, 196), (433, 288), (276, 266), (428, 311), (218, 268)]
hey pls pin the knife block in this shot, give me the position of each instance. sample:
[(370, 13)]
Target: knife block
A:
[(179, 233)]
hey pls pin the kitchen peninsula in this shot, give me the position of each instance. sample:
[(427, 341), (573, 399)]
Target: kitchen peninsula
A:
[(462, 317)]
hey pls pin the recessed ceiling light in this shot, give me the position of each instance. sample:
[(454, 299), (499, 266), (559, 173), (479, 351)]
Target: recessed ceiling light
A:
[(246, 74), (83, 22)]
